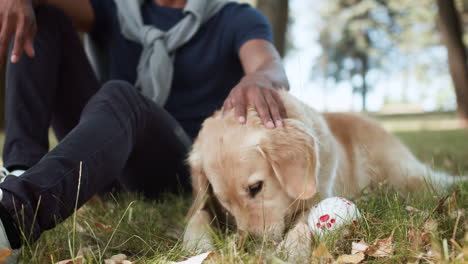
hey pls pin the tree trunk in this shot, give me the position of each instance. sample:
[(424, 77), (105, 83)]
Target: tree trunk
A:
[(364, 88), (277, 13), (2, 97), (452, 36)]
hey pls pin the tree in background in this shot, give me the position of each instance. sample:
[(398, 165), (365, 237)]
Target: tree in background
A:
[(354, 38), (452, 36), (394, 35), (2, 96), (277, 13)]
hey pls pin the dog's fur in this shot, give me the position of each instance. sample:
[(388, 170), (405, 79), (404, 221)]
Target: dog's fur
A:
[(336, 154)]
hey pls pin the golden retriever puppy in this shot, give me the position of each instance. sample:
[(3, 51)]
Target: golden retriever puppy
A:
[(266, 179)]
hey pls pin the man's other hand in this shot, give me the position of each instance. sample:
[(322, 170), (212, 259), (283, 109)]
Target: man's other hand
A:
[(17, 18)]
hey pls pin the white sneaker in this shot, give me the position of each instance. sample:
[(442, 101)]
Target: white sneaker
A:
[(4, 173), (5, 243)]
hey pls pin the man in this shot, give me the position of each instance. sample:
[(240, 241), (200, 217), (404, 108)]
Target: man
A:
[(186, 59)]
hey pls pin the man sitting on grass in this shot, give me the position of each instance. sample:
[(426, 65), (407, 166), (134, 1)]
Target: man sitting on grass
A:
[(186, 59)]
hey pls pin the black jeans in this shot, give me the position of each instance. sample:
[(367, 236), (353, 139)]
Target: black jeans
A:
[(114, 131)]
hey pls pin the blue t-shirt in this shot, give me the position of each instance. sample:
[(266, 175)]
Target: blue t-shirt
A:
[(206, 68)]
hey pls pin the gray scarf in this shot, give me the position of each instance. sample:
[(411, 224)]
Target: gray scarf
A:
[(156, 66)]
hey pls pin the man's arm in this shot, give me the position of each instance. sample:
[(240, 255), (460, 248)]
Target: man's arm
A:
[(264, 75), (17, 18), (260, 56), (79, 11)]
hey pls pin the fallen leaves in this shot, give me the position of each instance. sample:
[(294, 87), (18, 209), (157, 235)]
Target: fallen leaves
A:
[(80, 259), (321, 251), (381, 248), (351, 259), (416, 211), (196, 259), (360, 247), (118, 259), (424, 239), (77, 260), (103, 227)]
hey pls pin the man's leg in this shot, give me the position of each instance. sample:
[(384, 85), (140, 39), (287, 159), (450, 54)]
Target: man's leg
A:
[(158, 161), (117, 121), (52, 87)]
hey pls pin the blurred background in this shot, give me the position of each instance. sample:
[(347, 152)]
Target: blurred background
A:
[(390, 58)]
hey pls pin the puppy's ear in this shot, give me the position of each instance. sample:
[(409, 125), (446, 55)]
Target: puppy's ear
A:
[(200, 184), (293, 156)]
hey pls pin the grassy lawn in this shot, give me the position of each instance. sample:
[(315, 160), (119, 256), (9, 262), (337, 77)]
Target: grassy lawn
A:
[(151, 231)]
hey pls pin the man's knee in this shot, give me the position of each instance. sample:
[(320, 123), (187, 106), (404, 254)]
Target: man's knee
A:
[(119, 98), (119, 94), (117, 88)]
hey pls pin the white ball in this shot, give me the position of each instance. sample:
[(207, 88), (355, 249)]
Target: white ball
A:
[(331, 214)]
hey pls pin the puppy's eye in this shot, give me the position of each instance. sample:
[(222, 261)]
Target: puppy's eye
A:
[(254, 189)]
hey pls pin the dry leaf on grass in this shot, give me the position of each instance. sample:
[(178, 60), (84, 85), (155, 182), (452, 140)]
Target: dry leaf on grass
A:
[(381, 248), (82, 211), (430, 226), (79, 228), (433, 254), (118, 259), (416, 211), (321, 251), (415, 239), (5, 253), (103, 227), (361, 246), (85, 252), (77, 260), (351, 259), (419, 238), (196, 259)]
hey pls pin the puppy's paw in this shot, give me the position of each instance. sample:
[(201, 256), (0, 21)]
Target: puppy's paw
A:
[(297, 244), (198, 244), (197, 236)]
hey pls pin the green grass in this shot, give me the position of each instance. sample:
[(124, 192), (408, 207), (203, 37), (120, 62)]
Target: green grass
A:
[(446, 149), (150, 231)]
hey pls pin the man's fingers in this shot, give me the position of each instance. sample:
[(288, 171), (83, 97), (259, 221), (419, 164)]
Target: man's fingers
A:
[(262, 109), (273, 108), (29, 43), (227, 106), (279, 103), (20, 37), (29, 48), (5, 36), (240, 108)]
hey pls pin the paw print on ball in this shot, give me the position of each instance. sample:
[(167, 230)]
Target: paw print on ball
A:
[(331, 214), (324, 221)]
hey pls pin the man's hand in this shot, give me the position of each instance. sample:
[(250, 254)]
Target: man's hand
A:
[(17, 17), (258, 91), (264, 75)]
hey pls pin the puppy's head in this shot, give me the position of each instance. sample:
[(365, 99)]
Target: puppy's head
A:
[(256, 173)]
